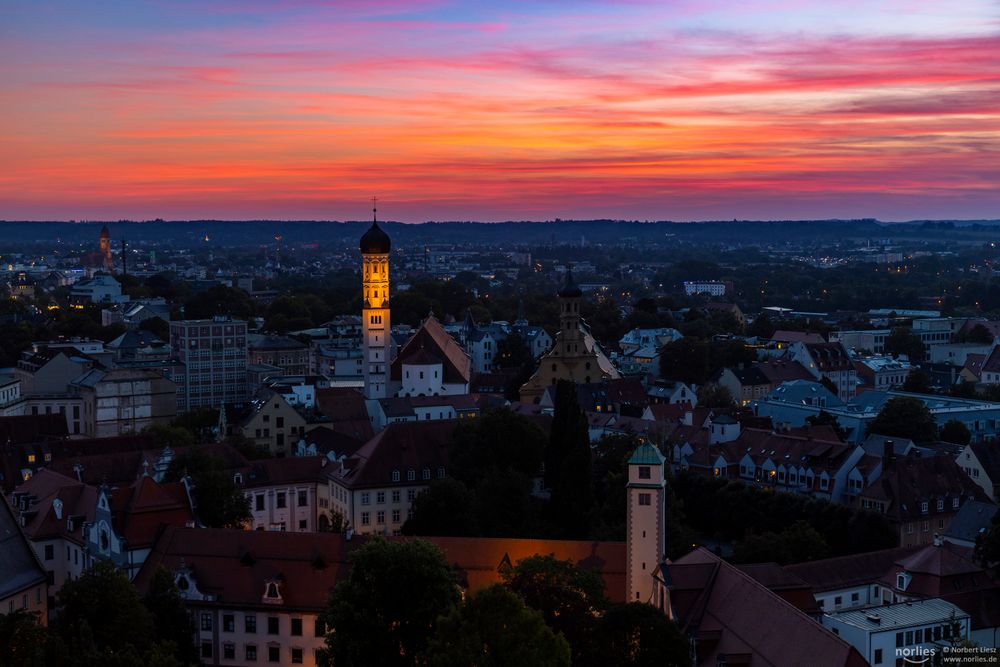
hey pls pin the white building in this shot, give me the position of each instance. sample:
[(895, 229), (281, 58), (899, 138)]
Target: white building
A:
[(712, 287), (912, 631)]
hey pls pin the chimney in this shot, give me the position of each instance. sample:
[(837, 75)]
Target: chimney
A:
[(887, 455)]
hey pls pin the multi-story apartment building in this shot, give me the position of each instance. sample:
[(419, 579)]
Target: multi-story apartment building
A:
[(290, 494), (272, 423), (287, 354), (213, 362)]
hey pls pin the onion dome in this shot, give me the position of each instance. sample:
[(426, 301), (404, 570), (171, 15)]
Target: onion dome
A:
[(375, 241)]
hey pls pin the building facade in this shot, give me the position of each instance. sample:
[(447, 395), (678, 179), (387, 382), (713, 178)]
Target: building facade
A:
[(212, 356)]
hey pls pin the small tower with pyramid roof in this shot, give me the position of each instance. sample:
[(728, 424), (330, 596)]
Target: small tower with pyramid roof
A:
[(646, 528)]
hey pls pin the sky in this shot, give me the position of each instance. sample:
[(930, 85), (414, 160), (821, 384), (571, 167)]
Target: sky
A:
[(511, 110)]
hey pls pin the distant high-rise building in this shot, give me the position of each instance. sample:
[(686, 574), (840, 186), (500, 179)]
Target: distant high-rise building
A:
[(376, 332), (212, 356)]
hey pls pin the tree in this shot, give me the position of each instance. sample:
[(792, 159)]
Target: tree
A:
[(568, 597), (494, 628), (568, 464), (386, 610), (977, 334), (955, 432), (715, 396), (639, 635), (685, 360), (156, 326), (24, 642), (902, 341), (917, 382), (797, 543), (445, 508), (905, 417), (171, 620), (219, 300), (219, 502), (988, 544)]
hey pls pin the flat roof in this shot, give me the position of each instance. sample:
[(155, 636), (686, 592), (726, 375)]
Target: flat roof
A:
[(900, 615)]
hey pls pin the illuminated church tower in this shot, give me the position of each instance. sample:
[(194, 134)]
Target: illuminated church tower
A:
[(375, 331), (107, 259)]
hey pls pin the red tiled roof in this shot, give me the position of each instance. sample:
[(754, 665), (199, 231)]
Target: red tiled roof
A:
[(78, 500), (974, 364), (234, 564), (730, 613), (287, 470), (907, 482), (431, 336), (846, 571), (992, 363), (783, 370), (399, 446), (139, 511)]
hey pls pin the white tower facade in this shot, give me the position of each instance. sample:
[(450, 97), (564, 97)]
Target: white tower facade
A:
[(375, 323), (646, 529)]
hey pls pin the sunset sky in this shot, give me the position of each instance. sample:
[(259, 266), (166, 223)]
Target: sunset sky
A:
[(680, 110)]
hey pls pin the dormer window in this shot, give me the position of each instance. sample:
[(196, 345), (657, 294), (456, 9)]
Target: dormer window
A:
[(940, 505), (272, 594), (440, 472), (923, 507), (426, 473), (395, 475), (182, 583), (411, 475), (238, 478), (954, 503)]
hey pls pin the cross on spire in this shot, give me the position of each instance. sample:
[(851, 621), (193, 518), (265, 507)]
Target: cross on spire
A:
[(374, 209)]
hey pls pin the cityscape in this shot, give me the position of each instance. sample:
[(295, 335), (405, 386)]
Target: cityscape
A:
[(406, 334)]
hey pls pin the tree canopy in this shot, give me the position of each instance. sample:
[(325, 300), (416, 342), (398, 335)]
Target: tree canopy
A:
[(387, 609), (905, 417), (494, 628)]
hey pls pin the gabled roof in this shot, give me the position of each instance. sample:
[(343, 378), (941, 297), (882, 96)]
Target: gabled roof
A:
[(287, 470), (972, 520), (992, 363), (431, 336), (18, 562), (729, 613), (831, 574), (400, 446), (907, 482), (829, 356), (783, 370), (988, 454), (974, 363), (234, 565), (139, 511)]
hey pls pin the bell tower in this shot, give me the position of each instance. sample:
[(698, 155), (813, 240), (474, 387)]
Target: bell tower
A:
[(375, 323), (646, 524)]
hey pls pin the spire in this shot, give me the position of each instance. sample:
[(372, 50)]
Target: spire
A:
[(570, 289), (375, 210)]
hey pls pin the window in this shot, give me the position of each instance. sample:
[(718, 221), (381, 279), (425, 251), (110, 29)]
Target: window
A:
[(206, 649), (303, 498), (395, 496), (319, 628), (366, 518), (366, 498), (918, 637), (380, 497), (272, 625), (426, 473), (899, 639), (909, 637), (855, 597), (259, 500), (273, 653), (645, 499), (229, 651), (228, 623), (251, 652), (644, 472), (296, 656), (440, 472), (206, 621), (954, 501), (250, 624), (50, 552), (380, 517), (411, 494), (877, 657), (279, 500), (923, 507), (940, 504), (395, 516), (296, 627), (837, 601)]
